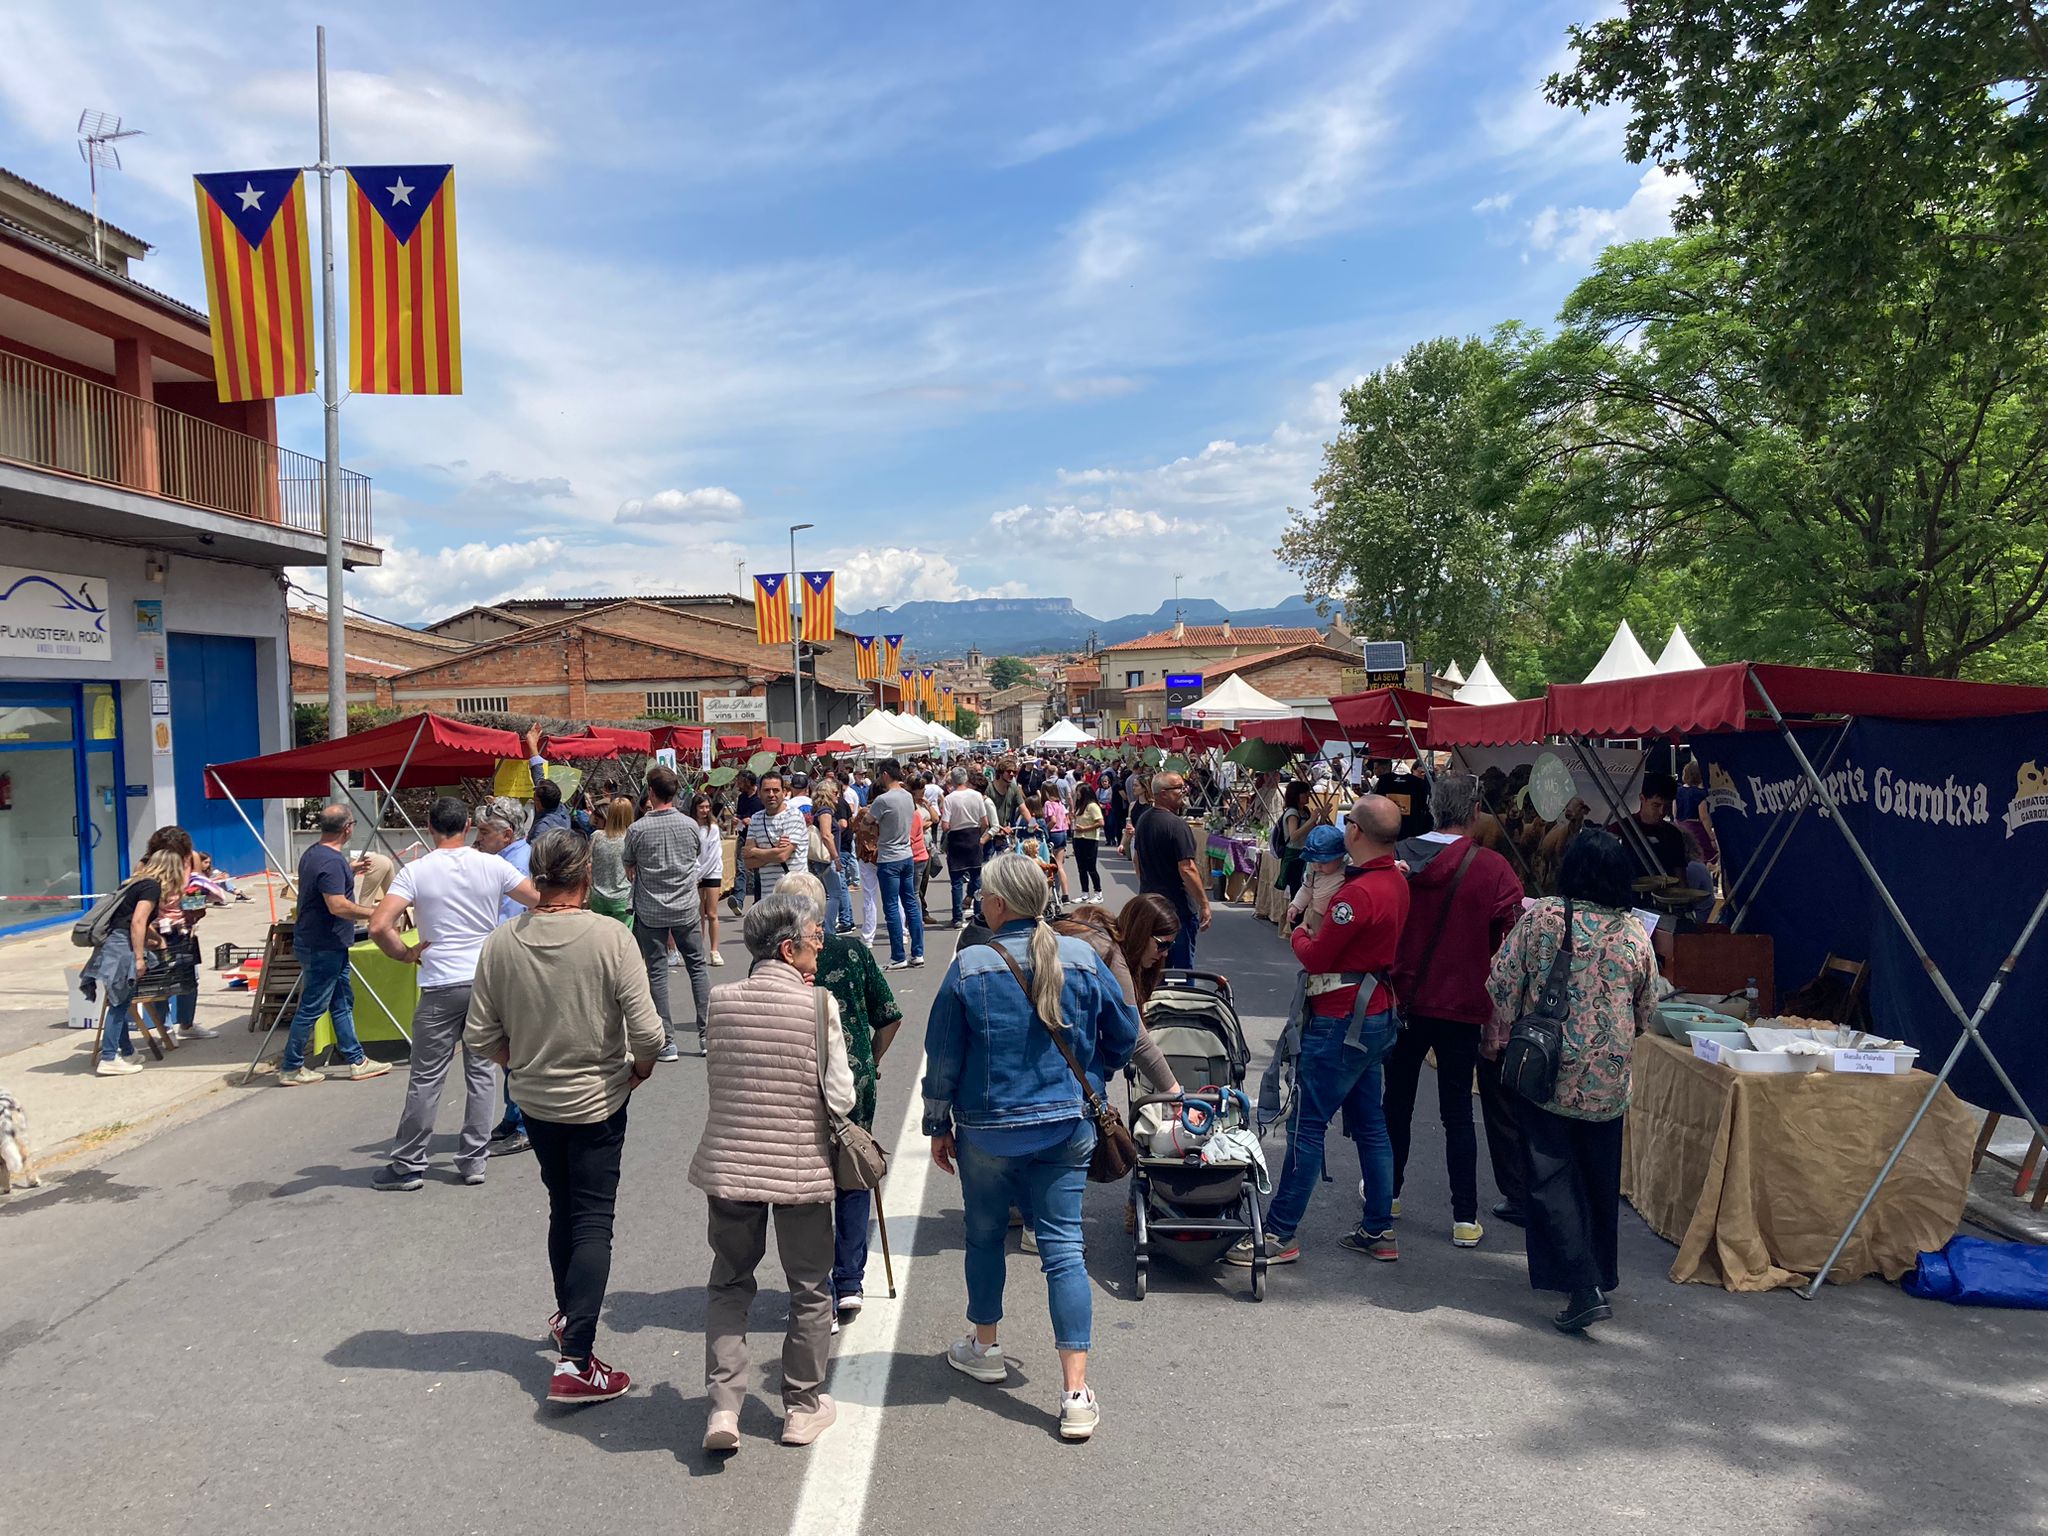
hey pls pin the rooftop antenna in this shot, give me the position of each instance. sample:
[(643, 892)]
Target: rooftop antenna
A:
[(99, 144), (740, 577)]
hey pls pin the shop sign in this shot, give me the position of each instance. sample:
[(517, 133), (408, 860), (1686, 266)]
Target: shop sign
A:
[(53, 615), (741, 709), (1182, 689)]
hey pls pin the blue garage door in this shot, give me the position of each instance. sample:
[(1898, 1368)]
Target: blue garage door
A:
[(213, 720)]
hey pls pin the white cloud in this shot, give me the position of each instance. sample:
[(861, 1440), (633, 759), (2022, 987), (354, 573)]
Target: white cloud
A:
[(1068, 523), (1577, 235), (412, 584), (706, 504), (883, 578), (1498, 203)]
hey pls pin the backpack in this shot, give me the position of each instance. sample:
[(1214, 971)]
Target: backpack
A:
[(91, 930), (1528, 1063), (1276, 840)]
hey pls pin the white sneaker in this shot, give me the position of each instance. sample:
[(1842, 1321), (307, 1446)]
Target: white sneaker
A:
[(1027, 1240), (118, 1068), (1079, 1414), (198, 1032), (970, 1359), (717, 958), (675, 960)]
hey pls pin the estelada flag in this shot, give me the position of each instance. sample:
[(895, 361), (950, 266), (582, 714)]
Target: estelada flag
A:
[(906, 695), (404, 316), (259, 282), (892, 653), (946, 704), (928, 688), (867, 659), (818, 626), (771, 609)]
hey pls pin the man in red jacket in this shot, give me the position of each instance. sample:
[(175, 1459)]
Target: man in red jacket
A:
[(1351, 1027), (1464, 899)]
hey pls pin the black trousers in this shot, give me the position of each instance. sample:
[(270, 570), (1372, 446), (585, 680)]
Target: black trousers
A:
[(1457, 1058), (1573, 1169), (1085, 849), (1503, 1134), (579, 1164)]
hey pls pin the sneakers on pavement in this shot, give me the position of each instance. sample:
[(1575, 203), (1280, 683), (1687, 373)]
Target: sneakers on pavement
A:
[(594, 1383), (675, 960), (1511, 1214), (389, 1180), (1279, 1250), (896, 965), (916, 962), (717, 959), (1027, 1240), (122, 1068), (474, 1177), (703, 1042), (1582, 1309), (518, 1141), (722, 1433), (970, 1359), (1079, 1414), (198, 1032), (803, 1425), (1375, 1245), (299, 1077), (849, 1304), (668, 1051), (1466, 1234), (364, 1070)]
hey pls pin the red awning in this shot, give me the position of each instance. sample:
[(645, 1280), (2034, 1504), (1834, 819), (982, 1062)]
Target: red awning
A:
[(1302, 734), (577, 749), (625, 737), (734, 743), (1492, 725), (1383, 707), (1725, 698), (683, 738), (826, 748), (435, 750)]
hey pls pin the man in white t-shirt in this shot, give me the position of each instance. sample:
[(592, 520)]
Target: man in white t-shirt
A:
[(455, 892)]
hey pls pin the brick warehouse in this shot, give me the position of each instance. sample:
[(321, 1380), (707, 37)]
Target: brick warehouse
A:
[(1306, 676)]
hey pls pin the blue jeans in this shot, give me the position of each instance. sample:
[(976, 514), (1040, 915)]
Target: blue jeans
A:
[(850, 1208), (1338, 1074), (114, 968), (324, 987), (900, 905), (1181, 957), (838, 902), (1049, 1185)]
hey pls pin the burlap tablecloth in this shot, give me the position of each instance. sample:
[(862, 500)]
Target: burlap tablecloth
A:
[(1269, 901), (1753, 1175)]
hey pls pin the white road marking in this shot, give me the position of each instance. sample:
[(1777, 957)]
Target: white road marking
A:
[(835, 1489)]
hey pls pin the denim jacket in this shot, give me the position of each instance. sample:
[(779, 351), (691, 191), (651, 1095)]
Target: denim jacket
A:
[(990, 1063)]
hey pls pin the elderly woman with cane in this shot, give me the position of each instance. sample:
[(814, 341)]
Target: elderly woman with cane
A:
[(1001, 1102), (767, 1148)]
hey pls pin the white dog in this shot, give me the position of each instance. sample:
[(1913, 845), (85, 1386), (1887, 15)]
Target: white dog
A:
[(14, 1158)]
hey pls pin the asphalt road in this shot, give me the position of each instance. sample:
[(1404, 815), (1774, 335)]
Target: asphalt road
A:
[(224, 1330)]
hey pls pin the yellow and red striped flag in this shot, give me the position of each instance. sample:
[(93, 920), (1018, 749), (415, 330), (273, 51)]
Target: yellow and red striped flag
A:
[(818, 626), (892, 653), (946, 703), (771, 609), (404, 315), (928, 688), (259, 282), (906, 695), (867, 658)]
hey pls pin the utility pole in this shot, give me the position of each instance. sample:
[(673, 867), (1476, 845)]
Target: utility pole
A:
[(330, 394)]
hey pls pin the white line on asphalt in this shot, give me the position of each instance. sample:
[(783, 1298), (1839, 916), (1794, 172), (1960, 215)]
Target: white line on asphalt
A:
[(835, 1489)]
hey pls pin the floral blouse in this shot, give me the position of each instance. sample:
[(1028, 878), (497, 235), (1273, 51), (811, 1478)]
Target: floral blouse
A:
[(1612, 997), (847, 969)]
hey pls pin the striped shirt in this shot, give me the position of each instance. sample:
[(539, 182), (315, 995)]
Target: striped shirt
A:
[(765, 831)]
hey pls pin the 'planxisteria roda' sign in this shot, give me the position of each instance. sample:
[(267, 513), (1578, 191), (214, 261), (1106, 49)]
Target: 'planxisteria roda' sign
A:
[(53, 615)]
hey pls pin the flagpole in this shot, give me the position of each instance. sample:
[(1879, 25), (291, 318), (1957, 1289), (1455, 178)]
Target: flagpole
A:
[(337, 648), (796, 637)]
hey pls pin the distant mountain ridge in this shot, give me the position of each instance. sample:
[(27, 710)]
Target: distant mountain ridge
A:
[(1022, 626)]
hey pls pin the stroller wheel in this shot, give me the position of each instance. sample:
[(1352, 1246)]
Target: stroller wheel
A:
[(1258, 1280), (1138, 1288)]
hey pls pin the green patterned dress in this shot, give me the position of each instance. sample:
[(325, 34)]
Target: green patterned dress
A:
[(847, 969)]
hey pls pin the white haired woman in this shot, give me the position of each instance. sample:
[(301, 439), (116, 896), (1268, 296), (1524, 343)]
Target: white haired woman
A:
[(767, 1147), (1000, 1100)]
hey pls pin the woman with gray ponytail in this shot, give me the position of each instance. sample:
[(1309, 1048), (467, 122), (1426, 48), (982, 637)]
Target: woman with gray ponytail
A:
[(1001, 1105)]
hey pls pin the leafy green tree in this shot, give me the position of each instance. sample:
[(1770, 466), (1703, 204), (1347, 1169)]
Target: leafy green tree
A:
[(1009, 671)]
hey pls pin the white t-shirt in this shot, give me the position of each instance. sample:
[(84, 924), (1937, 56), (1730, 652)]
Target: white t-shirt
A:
[(456, 893), (966, 810), (710, 857)]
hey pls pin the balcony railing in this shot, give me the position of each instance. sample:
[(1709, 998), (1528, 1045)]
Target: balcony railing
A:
[(56, 420)]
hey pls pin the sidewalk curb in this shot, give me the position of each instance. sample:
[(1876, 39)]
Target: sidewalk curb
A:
[(89, 1147)]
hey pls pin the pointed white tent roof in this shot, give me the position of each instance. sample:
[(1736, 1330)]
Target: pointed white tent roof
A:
[(1483, 687), (1236, 699), (1625, 657), (1062, 734), (1453, 675), (926, 733), (881, 731), (1679, 656)]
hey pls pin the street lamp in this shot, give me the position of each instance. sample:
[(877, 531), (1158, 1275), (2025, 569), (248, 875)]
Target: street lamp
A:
[(796, 652)]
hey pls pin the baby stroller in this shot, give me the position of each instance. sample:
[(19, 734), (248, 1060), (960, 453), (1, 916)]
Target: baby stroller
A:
[(1190, 1211)]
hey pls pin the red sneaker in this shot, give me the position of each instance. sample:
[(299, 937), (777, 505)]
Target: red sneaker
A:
[(599, 1384), (556, 1325)]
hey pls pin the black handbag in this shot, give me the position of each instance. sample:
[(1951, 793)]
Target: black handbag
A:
[(1528, 1063)]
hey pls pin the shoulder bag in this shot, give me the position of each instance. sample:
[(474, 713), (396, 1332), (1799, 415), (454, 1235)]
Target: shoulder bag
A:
[(858, 1161), (1116, 1154), (1528, 1063), (1443, 920)]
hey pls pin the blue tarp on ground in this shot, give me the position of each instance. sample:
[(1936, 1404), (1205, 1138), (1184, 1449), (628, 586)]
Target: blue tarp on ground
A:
[(1977, 1272)]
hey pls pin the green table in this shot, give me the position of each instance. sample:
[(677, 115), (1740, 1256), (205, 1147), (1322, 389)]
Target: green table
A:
[(375, 975)]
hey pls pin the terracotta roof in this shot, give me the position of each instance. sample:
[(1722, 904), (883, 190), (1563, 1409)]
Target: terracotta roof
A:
[(1213, 671), (1081, 675), (315, 656), (1015, 695), (1215, 634)]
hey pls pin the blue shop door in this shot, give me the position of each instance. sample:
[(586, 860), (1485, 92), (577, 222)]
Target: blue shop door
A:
[(213, 720)]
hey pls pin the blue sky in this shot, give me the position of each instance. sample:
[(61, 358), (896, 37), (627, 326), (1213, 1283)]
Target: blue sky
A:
[(1053, 300)]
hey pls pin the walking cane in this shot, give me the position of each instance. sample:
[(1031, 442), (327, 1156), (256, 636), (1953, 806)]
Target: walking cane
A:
[(882, 1221)]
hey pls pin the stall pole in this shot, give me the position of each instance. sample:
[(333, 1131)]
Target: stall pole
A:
[(1781, 830), (404, 763), (391, 803), (1969, 1021), (275, 863), (284, 1009), (1618, 801)]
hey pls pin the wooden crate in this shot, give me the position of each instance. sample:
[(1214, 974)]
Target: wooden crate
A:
[(279, 980)]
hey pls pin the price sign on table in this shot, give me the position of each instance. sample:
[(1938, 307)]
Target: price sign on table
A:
[(1707, 1050), (1878, 1063)]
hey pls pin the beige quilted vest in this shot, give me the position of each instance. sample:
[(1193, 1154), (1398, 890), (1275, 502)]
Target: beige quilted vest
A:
[(765, 1136)]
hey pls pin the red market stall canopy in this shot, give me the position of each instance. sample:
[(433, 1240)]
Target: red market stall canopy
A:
[(625, 737), (1383, 707), (1494, 725), (682, 738), (1304, 733), (424, 751), (1737, 697), (577, 749)]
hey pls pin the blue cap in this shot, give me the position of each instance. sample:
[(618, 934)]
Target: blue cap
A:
[(1325, 845)]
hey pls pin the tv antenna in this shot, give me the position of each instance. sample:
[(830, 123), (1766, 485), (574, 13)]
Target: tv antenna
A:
[(99, 144)]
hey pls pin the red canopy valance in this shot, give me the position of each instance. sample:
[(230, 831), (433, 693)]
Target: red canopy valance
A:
[(1382, 707), (1304, 733), (625, 737), (1492, 725), (432, 749), (1726, 698), (577, 749)]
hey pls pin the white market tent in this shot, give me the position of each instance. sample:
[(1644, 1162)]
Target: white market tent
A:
[(1679, 656), (880, 731), (1483, 687), (1236, 699), (949, 740), (1453, 674), (1624, 658), (1065, 733)]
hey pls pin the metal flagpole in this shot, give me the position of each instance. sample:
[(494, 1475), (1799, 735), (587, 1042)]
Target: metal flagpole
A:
[(796, 639), (330, 393)]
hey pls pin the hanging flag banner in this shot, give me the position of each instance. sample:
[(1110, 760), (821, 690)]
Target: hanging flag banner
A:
[(818, 625), (892, 653), (404, 317), (928, 688), (771, 609), (946, 704), (906, 695), (259, 282), (867, 658)]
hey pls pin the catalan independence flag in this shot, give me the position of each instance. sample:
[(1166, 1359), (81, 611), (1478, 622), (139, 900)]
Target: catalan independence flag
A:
[(404, 317), (892, 654), (259, 282), (818, 626), (867, 658), (946, 705), (771, 609), (906, 695), (928, 688)]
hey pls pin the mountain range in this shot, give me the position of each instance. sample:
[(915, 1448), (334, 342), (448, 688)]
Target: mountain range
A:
[(1024, 626)]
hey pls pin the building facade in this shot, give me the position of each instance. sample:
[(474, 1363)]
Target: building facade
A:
[(1305, 677), (1184, 649)]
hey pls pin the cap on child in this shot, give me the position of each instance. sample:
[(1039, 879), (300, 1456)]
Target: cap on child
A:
[(1325, 845)]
